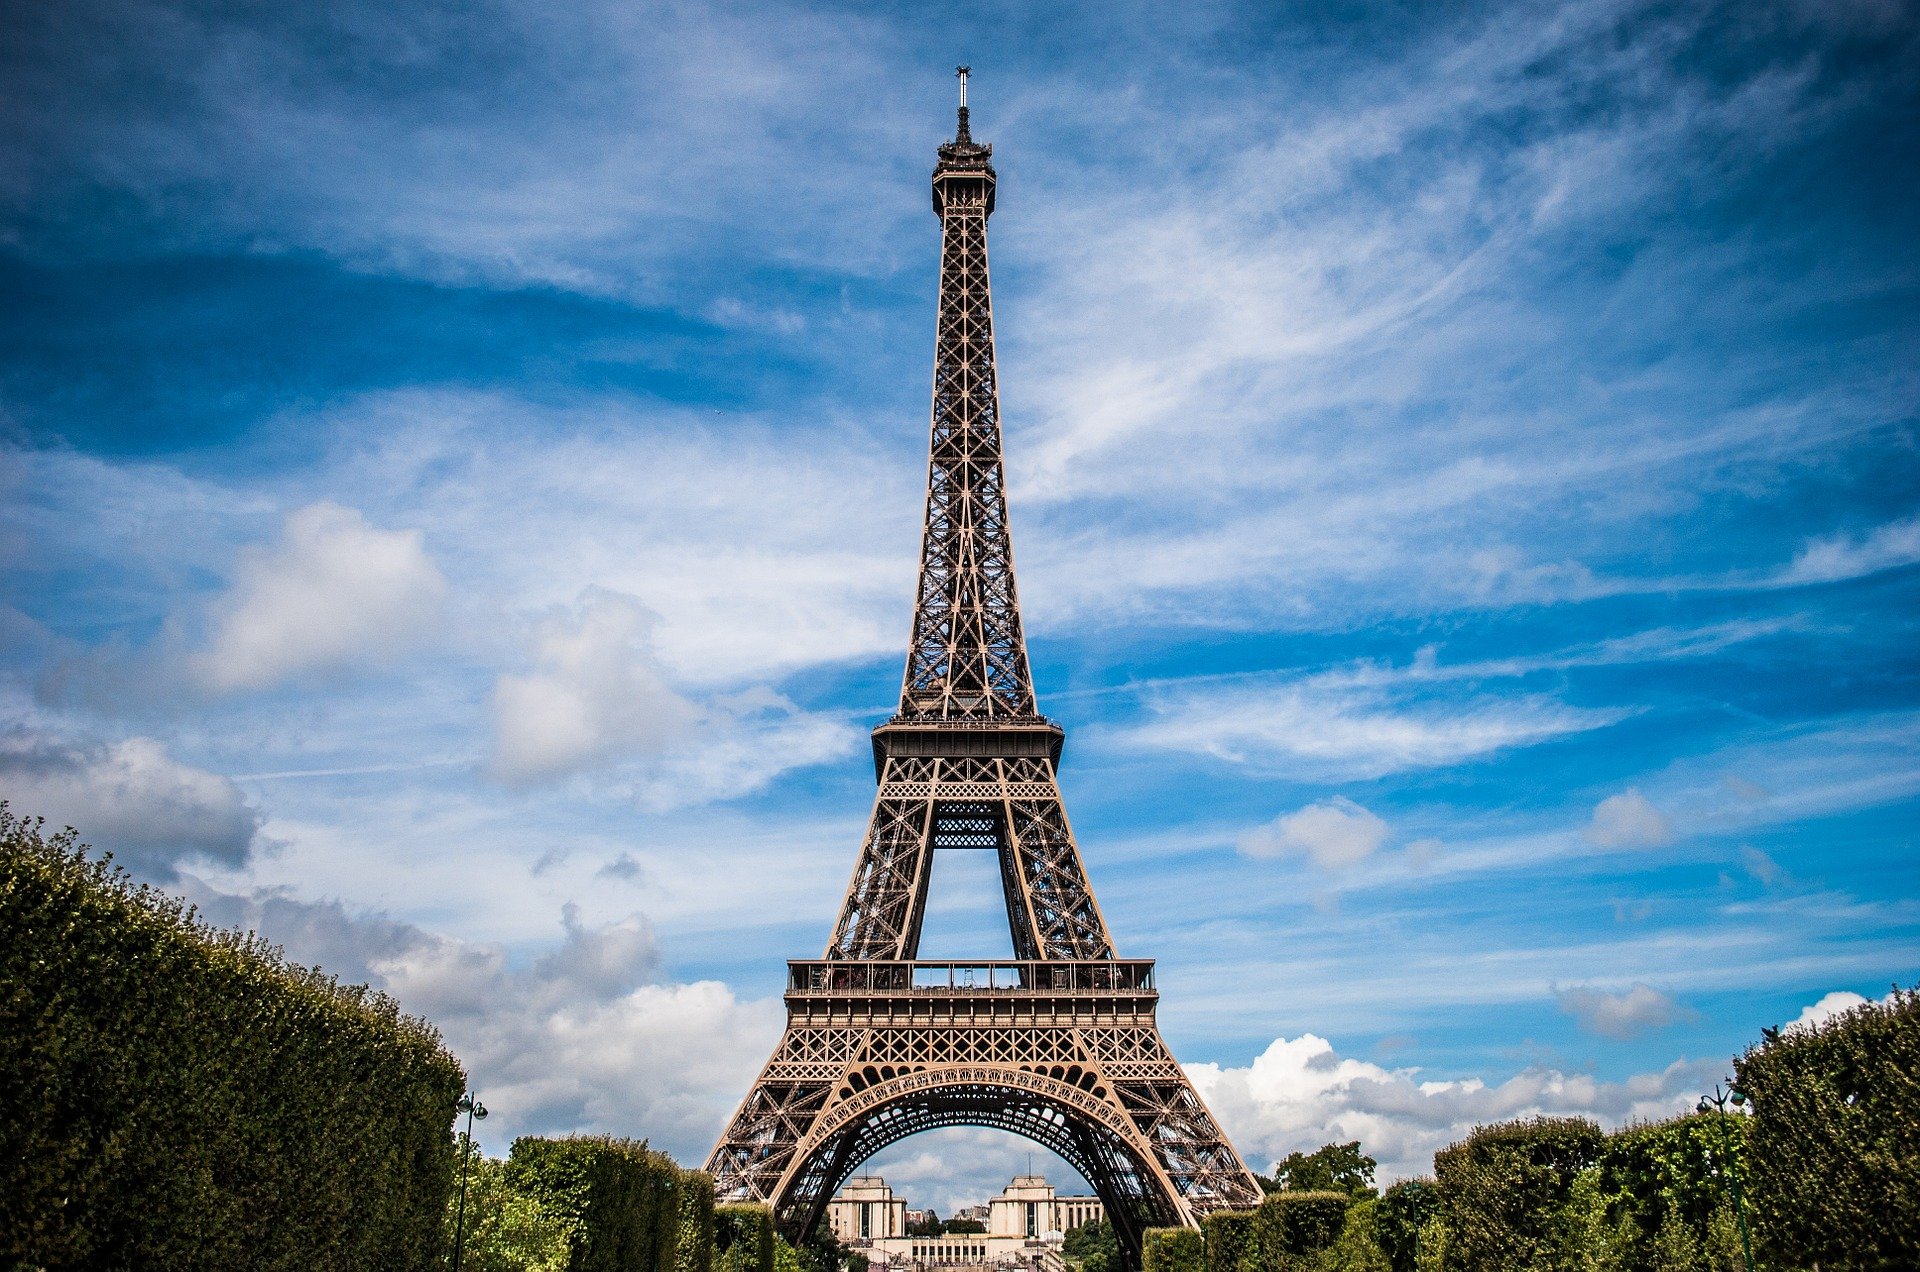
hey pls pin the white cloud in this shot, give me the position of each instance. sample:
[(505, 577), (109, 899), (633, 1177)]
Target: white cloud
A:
[(597, 695), (333, 592), (1336, 833), (1838, 557), (1299, 1094), (1328, 728), (1760, 865), (583, 1037), (1837, 1003), (131, 798), (600, 700), (1641, 1009), (1629, 820)]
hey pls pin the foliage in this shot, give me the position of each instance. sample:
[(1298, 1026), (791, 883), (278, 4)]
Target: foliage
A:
[(176, 1096), (693, 1245), (1291, 1228), (963, 1227), (1173, 1250), (1094, 1246), (1661, 1179), (1504, 1191), (1404, 1209), (1231, 1241), (743, 1238), (1835, 1138), (1357, 1248), (1329, 1168), (928, 1227), (620, 1200), (502, 1229)]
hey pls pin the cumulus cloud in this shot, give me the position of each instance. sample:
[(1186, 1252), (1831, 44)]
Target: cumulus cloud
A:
[(333, 592), (596, 696), (1628, 820), (1837, 1003), (130, 798), (583, 1037), (1641, 1009), (1299, 1094), (1335, 834)]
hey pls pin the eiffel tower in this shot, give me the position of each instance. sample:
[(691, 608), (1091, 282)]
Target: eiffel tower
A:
[(1057, 1044)]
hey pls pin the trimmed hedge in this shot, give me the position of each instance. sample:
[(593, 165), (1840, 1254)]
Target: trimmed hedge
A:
[(621, 1200), (182, 1097), (1292, 1226), (693, 1251), (743, 1238), (1504, 1189), (1835, 1140), (1232, 1240), (1173, 1250), (1669, 1177)]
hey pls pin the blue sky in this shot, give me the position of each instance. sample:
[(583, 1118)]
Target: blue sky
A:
[(463, 467)]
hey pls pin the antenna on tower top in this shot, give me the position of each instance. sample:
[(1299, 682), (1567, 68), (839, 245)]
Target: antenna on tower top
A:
[(963, 72)]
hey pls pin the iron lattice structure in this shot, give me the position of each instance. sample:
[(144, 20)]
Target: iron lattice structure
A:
[(1059, 1044)]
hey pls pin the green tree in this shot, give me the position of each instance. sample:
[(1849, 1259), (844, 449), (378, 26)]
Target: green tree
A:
[(1330, 1168), (505, 1230), (1093, 1247), (963, 1227)]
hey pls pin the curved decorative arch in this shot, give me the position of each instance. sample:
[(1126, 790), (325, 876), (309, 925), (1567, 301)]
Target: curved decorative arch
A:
[(1085, 1129)]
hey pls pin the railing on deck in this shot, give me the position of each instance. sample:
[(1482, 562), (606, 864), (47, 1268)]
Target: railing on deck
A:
[(1065, 977)]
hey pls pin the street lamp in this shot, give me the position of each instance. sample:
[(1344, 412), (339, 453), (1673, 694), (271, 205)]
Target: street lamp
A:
[(1717, 1102), (471, 1106)]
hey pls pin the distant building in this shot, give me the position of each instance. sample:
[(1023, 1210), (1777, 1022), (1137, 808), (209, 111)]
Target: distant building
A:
[(866, 1210), (922, 1218), (1025, 1225)]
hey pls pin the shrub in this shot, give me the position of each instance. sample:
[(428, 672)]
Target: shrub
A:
[(1173, 1250), (176, 1096), (1504, 1190), (1291, 1227), (1404, 1209), (743, 1238), (620, 1200), (1662, 1179), (693, 1248), (1357, 1248), (1836, 1137), (1230, 1241), (501, 1229)]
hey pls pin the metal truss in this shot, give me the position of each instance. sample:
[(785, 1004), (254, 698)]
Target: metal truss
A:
[(1010, 804), (1059, 1044)]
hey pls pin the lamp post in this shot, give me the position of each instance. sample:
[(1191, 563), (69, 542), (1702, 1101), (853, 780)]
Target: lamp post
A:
[(1717, 1102), (471, 1106)]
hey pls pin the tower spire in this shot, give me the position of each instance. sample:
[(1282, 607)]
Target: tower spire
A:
[(967, 658)]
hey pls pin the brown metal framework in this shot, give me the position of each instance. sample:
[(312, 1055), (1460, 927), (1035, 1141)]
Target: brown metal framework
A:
[(1060, 1044)]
